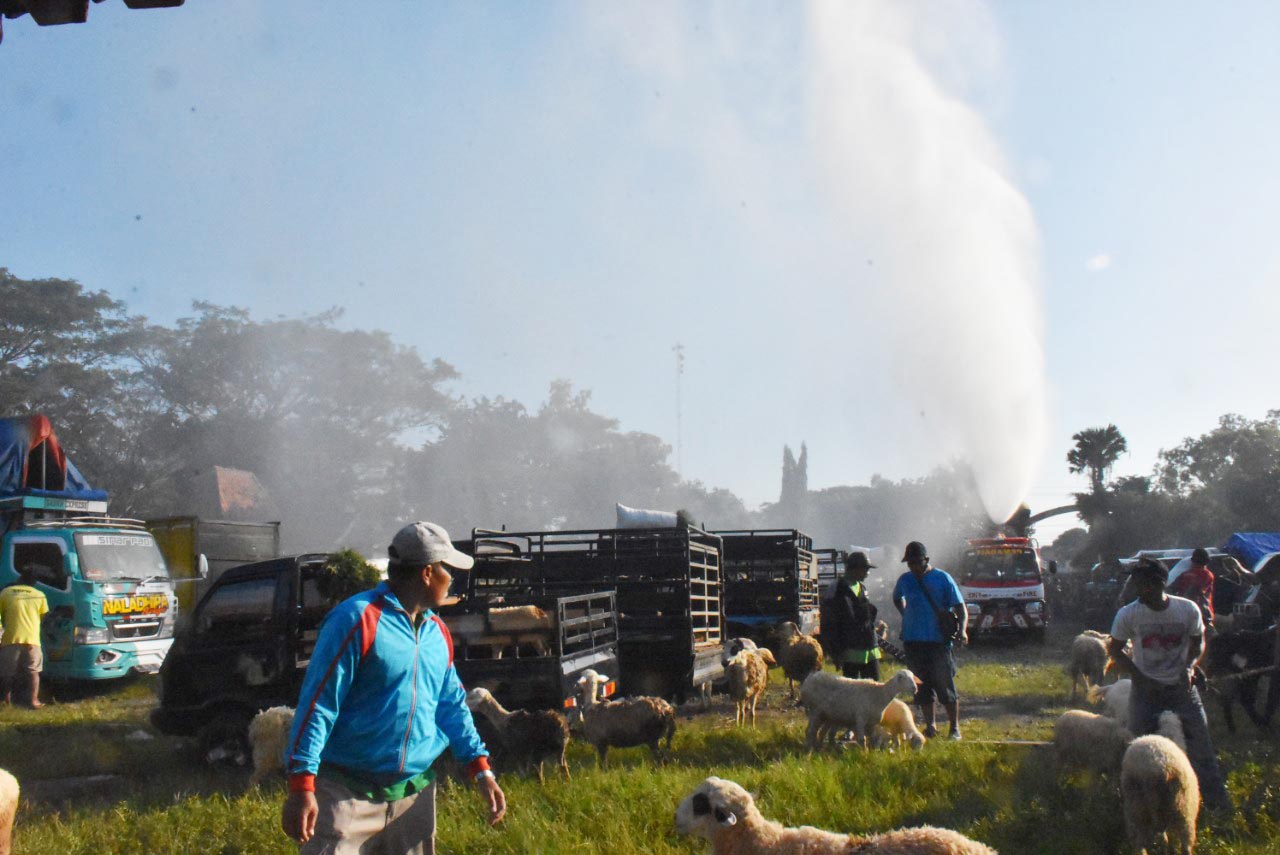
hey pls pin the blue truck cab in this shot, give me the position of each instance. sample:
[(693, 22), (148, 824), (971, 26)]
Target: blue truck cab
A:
[(111, 602)]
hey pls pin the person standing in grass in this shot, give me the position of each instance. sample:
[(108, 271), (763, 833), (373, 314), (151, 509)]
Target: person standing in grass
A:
[(22, 607), (1168, 641), (854, 616), (380, 701), (926, 597)]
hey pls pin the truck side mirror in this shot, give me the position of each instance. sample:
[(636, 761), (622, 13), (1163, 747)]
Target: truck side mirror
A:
[(202, 566), (1053, 568)]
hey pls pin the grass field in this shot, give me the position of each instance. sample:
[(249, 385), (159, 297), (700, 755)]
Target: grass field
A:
[(157, 798)]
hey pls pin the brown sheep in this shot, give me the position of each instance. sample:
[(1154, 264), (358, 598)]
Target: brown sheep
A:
[(624, 723), (748, 676), (798, 654), (530, 736)]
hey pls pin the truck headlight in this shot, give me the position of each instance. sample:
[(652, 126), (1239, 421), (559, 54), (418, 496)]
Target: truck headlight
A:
[(92, 635), (973, 609), (1033, 608)]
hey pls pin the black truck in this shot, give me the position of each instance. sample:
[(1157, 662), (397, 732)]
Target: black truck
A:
[(249, 640), (770, 576), (668, 584)]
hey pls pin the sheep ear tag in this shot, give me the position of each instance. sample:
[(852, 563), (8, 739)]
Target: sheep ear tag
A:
[(725, 818)]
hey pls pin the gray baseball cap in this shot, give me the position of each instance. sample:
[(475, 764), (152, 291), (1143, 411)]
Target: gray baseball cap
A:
[(423, 543)]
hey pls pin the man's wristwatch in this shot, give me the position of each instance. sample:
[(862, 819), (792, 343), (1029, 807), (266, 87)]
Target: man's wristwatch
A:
[(482, 774)]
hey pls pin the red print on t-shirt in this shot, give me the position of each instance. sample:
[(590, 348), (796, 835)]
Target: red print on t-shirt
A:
[(1162, 642)]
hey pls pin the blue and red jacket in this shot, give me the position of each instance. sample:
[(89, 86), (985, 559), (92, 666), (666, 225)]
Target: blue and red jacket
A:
[(381, 698)]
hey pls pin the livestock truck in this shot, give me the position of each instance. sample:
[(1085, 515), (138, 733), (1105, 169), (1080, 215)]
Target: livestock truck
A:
[(251, 636), (1002, 582), (770, 576), (668, 586), (111, 602)]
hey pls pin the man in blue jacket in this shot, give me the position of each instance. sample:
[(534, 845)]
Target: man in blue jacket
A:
[(380, 701), (925, 596)]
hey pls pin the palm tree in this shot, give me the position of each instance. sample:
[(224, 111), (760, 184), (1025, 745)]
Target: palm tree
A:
[(1096, 451)]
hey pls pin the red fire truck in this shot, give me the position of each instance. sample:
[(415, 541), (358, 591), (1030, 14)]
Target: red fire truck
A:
[(1002, 580)]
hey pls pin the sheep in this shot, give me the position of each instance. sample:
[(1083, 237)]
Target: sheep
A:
[(531, 736), (1088, 660), (624, 723), (1114, 699), (1169, 725), (899, 726), (1161, 794), (748, 676), (8, 808), (832, 701), (799, 655), (511, 626), (733, 648), (1083, 740), (268, 736), (725, 815)]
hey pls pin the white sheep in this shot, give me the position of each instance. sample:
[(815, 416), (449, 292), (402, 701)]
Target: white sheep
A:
[(799, 655), (733, 647), (1114, 699), (1083, 740), (899, 726), (1088, 660), (724, 814), (268, 737), (748, 674), (530, 736), (8, 809), (623, 723), (834, 702), (1161, 794), (1169, 725)]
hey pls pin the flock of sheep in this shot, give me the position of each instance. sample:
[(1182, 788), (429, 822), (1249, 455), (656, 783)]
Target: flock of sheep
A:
[(1157, 784)]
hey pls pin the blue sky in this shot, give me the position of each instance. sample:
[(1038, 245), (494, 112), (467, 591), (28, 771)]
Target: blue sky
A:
[(901, 232)]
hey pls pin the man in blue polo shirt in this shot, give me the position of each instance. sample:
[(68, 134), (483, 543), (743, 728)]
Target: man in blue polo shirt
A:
[(922, 596)]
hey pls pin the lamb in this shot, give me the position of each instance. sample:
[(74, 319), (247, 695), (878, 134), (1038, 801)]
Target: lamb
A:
[(899, 726), (748, 676), (8, 809), (799, 655), (531, 736), (1088, 659), (1083, 740), (724, 814), (624, 723), (1114, 699), (832, 702), (1161, 794), (268, 737)]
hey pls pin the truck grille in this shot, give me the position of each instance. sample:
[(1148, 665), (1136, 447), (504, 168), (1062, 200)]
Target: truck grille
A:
[(133, 630)]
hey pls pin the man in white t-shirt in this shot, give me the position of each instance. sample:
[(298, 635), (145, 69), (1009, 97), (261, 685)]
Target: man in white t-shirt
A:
[(1168, 640)]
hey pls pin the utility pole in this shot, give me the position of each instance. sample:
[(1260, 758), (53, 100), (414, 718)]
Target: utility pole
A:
[(679, 350)]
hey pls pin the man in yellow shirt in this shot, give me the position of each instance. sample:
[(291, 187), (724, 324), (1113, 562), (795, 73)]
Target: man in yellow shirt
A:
[(21, 608)]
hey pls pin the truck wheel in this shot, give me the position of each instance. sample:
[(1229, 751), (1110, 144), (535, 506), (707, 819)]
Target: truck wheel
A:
[(224, 739)]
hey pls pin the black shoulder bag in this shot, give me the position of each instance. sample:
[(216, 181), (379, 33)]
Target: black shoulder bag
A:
[(948, 624)]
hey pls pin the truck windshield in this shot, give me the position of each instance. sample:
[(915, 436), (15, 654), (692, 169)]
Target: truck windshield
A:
[(1004, 565), (119, 557)]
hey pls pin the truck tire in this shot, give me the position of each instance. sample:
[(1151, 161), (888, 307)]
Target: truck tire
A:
[(224, 739)]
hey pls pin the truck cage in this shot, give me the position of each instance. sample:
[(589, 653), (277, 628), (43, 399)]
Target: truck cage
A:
[(667, 583), (771, 576)]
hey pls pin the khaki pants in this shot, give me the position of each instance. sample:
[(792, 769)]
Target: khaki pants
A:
[(18, 659), (350, 825)]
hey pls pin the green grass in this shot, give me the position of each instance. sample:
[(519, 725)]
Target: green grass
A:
[(1006, 795)]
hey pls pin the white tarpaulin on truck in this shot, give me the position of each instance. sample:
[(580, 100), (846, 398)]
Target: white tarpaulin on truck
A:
[(642, 518)]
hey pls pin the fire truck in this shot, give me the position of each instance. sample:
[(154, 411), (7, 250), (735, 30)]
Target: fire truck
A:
[(1002, 581)]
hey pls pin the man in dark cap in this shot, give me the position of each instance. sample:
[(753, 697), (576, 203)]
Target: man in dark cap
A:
[(854, 616), (1196, 584), (926, 597), (1168, 641)]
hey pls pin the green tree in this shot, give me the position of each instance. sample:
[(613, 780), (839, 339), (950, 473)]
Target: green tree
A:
[(1096, 451)]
